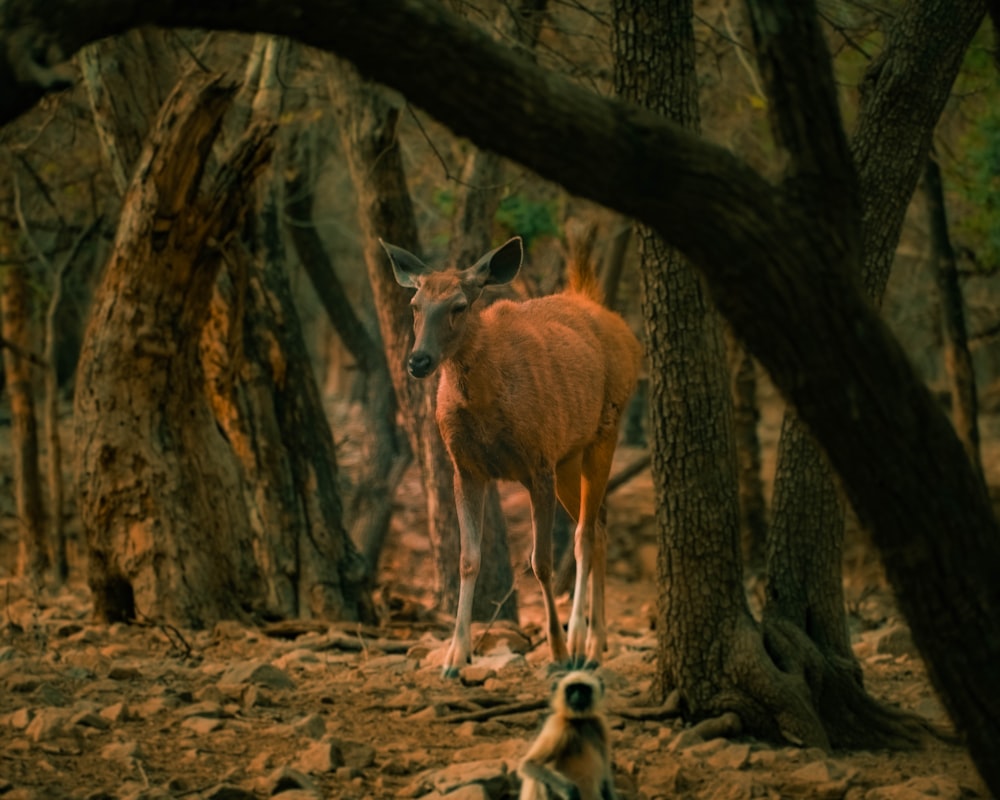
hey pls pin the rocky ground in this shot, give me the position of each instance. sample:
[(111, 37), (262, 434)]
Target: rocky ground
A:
[(304, 710)]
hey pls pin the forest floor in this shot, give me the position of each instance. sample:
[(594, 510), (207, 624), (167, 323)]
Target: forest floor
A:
[(304, 710)]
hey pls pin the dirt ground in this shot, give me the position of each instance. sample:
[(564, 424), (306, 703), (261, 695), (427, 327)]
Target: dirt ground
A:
[(312, 711)]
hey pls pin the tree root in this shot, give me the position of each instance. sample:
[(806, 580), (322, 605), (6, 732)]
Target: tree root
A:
[(851, 717)]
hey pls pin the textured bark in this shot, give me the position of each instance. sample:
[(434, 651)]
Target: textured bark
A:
[(746, 416), (264, 395), (15, 309), (389, 452), (957, 358), (160, 499), (127, 80), (690, 417)]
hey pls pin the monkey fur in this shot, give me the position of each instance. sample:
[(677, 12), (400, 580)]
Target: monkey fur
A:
[(571, 758)]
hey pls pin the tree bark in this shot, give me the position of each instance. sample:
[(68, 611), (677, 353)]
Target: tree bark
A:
[(957, 358), (390, 452), (15, 310), (159, 497)]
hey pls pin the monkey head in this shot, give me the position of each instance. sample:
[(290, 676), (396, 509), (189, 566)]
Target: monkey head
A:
[(578, 694)]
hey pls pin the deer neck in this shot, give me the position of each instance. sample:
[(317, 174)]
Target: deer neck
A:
[(462, 370)]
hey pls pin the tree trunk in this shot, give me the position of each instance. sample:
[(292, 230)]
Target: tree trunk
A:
[(690, 416), (389, 453), (160, 499), (957, 358), (746, 416), (33, 555)]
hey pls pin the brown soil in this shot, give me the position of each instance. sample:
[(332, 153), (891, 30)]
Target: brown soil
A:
[(92, 711)]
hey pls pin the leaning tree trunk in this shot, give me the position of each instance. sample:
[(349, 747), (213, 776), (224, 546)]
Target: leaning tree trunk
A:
[(33, 554), (265, 397), (160, 498)]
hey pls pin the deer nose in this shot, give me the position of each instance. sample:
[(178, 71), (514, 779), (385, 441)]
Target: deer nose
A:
[(420, 365)]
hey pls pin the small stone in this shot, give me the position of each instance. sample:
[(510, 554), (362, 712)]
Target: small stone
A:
[(285, 778), (357, 754), (49, 723), (895, 640), (202, 725), (225, 791), (21, 718), (120, 751), (117, 712), (258, 673), (476, 674), (313, 726), (89, 719), (320, 757), (119, 673), (735, 756), (209, 709)]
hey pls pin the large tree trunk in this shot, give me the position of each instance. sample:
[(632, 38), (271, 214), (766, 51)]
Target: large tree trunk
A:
[(33, 554), (703, 620), (263, 392), (160, 499)]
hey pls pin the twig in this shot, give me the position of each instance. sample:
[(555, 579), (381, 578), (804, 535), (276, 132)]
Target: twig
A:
[(174, 636), (629, 472), (496, 711), (499, 605)]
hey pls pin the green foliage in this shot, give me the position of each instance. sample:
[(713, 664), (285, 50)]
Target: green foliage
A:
[(979, 225), (528, 217)]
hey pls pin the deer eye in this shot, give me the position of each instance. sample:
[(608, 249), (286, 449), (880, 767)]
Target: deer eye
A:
[(459, 308)]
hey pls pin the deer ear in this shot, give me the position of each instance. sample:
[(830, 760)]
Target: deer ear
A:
[(407, 268), (500, 265)]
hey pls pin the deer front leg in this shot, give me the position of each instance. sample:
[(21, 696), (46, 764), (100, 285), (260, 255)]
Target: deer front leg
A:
[(470, 494), (543, 506)]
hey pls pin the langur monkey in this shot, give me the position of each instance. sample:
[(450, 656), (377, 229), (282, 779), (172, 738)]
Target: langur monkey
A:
[(571, 758)]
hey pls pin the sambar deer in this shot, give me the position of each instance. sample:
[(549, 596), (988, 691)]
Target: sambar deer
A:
[(533, 392)]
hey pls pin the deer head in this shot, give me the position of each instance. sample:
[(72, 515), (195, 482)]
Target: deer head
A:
[(444, 299)]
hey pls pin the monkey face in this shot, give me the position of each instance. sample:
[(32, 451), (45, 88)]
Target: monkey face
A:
[(578, 694)]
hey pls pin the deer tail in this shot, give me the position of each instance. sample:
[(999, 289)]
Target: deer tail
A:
[(580, 272)]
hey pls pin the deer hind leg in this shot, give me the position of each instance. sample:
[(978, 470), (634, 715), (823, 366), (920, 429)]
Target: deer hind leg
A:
[(588, 641), (470, 494), (543, 505)]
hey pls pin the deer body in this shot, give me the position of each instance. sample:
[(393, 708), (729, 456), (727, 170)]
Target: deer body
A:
[(531, 392)]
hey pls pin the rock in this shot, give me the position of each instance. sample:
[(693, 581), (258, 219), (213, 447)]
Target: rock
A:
[(225, 791), (320, 757), (286, 778), (120, 751), (202, 725), (895, 640), (47, 724), (476, 674), (313, 726), (257, 673), (208, 708), (938, 786), (122, 673), (492, 774), (89, 719), (357, 755), (117, 712), (23, 684), (733, 756), (20, 719)]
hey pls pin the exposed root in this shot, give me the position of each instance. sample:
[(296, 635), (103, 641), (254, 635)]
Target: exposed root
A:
[(668, 709), (851, 717)]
